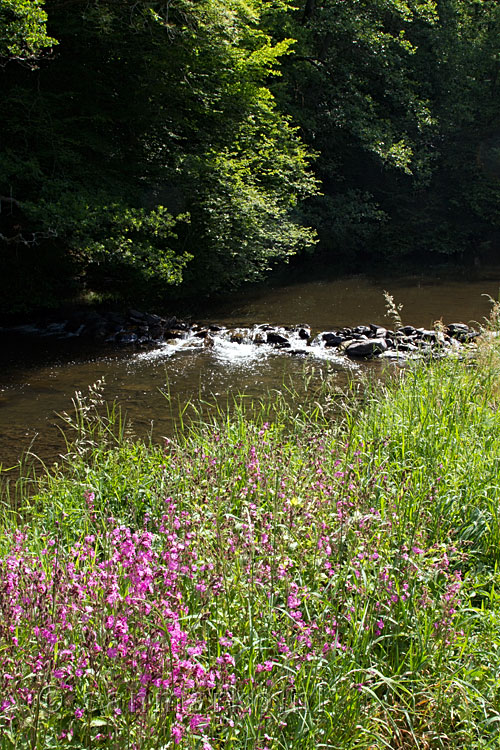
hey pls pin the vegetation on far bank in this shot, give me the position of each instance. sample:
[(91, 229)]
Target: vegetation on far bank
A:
[(277, 577), (158, 150)]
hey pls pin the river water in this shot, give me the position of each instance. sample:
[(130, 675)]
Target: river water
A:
[(39, 376)]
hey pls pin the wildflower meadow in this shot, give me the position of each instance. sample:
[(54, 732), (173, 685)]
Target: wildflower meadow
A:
[(304, 574)]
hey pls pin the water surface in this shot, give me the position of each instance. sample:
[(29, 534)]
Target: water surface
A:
[(40, 375)]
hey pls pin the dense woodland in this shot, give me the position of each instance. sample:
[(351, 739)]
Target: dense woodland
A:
[(154, 150)]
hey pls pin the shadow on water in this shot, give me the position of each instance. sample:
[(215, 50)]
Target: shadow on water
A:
[(39, 375)]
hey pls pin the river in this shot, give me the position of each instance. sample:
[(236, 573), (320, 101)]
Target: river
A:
[(39, 375)]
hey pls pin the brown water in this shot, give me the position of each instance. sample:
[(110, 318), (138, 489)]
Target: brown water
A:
[(40, 375)]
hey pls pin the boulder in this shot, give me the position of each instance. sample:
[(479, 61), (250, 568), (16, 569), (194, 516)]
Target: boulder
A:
[(462, 332), (434, 337), (332, 339), (407, 330), (156, 332), (136, 316), (125, 339), (363, 330), (456, 329), (377, 332), (366, 348), (277, 339), (153, 320)]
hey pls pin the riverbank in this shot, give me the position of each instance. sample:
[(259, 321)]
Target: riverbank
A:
[(268, 579), (40, 373)]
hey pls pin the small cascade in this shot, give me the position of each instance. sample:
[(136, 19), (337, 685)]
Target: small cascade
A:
[(157, 337)]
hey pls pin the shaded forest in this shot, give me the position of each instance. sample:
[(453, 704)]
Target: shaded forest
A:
[(156, 150)]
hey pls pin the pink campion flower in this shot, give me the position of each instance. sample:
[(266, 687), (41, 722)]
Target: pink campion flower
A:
[(266, 667), (177, 732), (226, 640), (79, 713)]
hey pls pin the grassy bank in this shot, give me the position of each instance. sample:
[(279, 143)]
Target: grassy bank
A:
[(267, 580)]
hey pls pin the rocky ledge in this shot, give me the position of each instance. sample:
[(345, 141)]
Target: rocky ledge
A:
[(142, 330)]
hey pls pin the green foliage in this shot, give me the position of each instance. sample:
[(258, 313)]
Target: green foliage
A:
[(149, 112), (119, 145), (115, 234), (23, 32), (342, 576)]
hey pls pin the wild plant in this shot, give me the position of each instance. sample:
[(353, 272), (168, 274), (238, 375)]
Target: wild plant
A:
[(393, 310), (265, 583)]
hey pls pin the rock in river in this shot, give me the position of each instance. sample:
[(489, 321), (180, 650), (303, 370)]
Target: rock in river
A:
[(366, 348)]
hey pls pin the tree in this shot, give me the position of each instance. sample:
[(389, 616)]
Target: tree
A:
[(155, 146), (353, 88), (23, 32)]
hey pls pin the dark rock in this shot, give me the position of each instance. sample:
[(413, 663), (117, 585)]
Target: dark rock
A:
[(454, 329), (156, 332), (363, 330), (304, 333), (215, 329), (332, 339), (201, 334), (434, 337), (277, 338), (152, 319), (407, 330), (366, 348), (136, 316), (378, 332), (466, 338), (125, 339), (177, 325), (462, 333), (406, 347), (75, 326)]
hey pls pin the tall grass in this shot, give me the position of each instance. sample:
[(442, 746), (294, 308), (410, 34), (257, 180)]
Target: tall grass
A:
[(272, 578)]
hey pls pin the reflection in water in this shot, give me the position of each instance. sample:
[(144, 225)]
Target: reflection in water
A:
[(40, 376)]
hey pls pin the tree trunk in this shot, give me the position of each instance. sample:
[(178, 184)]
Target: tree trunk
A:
[(309, 9)]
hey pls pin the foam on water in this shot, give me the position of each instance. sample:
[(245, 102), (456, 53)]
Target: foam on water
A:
[(165, 350), (241, 347)]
